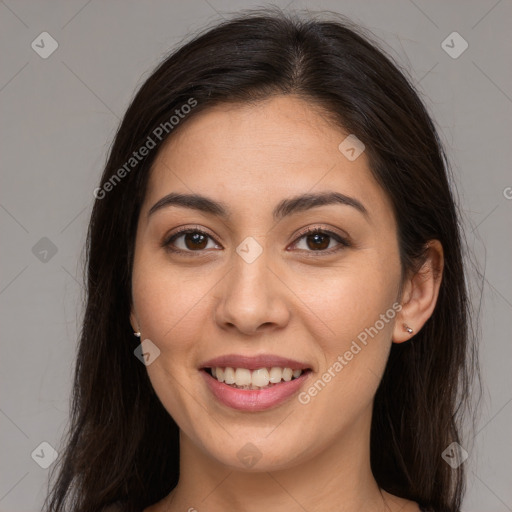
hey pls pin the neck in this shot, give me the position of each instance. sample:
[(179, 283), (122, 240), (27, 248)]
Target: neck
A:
[(337, 478)]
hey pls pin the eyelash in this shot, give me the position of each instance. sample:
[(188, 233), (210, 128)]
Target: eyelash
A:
[(344, 243)]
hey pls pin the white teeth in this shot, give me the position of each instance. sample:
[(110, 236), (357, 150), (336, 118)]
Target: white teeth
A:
[(229, 376), (260, 378), (242, 377), (287, 374), (276, 374)]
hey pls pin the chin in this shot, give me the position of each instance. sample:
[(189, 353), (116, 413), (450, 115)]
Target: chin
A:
[(255, 454)]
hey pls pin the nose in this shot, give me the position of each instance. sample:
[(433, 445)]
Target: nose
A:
[(253, 297)]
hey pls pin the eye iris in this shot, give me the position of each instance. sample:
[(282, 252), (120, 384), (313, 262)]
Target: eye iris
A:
[(319, 238), (196, 239)]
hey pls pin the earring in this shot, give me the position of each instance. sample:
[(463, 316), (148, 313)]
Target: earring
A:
[(407, 328), (137, 334)]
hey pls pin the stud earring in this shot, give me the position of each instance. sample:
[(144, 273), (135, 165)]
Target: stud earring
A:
[(407, 328), (137, 334)]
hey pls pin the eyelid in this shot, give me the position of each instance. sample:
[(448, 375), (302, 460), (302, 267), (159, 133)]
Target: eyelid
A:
[(184, 230), (343, 240), (322, 229)]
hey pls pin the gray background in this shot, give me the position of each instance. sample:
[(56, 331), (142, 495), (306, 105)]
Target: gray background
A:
[(60, 114)]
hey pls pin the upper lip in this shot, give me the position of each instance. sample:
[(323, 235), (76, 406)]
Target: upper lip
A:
[(254, 362)]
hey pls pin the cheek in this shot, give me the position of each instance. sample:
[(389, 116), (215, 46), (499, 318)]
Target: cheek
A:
[(357, 308), (343, 302), (168, 307), (166, 297)]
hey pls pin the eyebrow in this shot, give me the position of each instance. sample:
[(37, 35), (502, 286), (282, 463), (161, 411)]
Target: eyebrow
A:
[(283, 209)]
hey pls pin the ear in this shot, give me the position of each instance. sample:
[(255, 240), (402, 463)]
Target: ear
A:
[(420, 293)]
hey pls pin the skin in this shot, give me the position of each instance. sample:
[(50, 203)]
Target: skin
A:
[(210, 301)]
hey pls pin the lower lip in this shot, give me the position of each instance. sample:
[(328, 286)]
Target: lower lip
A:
[(257, 399)]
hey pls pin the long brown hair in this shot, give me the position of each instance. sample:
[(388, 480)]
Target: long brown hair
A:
[(122, 445)]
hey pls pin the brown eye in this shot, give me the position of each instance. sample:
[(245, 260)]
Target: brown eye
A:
[(188, 240), (319, 240), (195, 241)]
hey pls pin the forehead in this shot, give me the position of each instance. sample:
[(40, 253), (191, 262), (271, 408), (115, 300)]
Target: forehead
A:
[(257, 154)]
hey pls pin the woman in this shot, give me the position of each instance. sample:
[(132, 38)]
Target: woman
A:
[(276, 306)]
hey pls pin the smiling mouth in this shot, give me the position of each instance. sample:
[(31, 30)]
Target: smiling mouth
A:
[(262, 378)]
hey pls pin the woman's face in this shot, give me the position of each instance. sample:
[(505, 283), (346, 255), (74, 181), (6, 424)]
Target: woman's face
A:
[(256, 285)]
